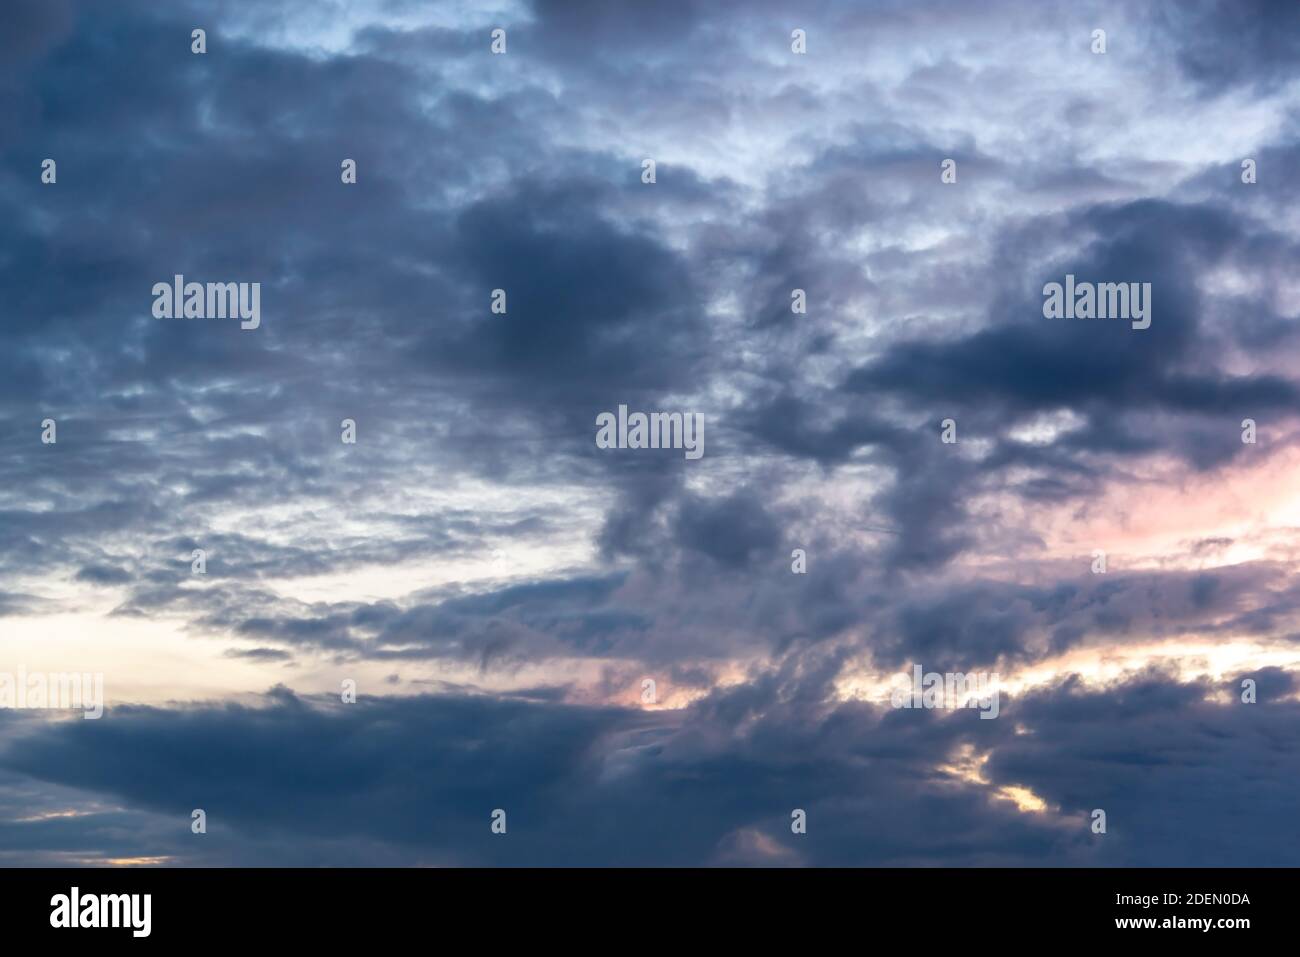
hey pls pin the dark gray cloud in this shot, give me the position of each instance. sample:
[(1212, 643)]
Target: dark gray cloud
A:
[(414, 780), (1221, 44)]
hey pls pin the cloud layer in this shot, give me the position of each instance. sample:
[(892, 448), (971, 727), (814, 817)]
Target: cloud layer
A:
[(499, 587)]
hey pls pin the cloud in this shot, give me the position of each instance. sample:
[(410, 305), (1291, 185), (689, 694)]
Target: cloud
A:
[(474, 545)]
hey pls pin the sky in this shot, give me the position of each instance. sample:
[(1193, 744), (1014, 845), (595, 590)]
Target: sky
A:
[(498, 587)]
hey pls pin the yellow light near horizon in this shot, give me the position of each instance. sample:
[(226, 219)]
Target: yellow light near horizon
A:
[(1024, 799)]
